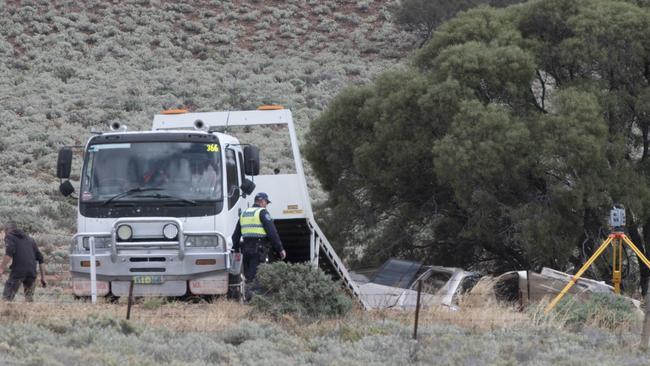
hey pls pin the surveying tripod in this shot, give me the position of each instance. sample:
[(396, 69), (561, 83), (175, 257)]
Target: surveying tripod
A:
[(616, 238)]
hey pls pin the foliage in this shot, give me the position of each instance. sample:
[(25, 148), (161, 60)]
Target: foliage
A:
[(607, 311), (502, 146), (362, 340), (299, 289), (422, 17), (153, 303), (251, 331)]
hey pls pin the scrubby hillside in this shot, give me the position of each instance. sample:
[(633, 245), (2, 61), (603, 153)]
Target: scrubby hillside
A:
[(69, 66)]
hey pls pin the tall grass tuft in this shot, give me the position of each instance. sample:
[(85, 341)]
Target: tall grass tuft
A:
[(601, 310)]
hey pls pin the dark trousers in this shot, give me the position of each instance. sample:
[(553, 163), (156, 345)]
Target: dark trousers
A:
[(13, 284), (250, 261), (254, 252)]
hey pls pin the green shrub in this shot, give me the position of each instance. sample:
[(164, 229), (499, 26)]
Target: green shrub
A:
[(299, 289), (602, 310), (252, 331), (153, 303)]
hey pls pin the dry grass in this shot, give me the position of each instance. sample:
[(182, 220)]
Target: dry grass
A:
[(483, 317), (218, 334), (479, 318), (182, 316), (478, 309), (481, 332), (223, 315)]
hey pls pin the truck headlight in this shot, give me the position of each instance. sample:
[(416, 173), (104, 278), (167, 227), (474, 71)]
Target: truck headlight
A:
[(100, 242), (124, 232), (209, 241), (170, 231)]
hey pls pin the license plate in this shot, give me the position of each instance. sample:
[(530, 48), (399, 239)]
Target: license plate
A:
[(148, 280)]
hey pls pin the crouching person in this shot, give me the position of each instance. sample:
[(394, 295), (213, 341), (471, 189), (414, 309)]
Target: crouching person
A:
[(22, 252)]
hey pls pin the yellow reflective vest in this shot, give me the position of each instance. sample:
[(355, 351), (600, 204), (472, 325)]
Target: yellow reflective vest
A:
[(251, 224)]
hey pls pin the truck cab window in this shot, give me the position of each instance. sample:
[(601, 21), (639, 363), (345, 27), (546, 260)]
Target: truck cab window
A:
[(183, 170), (232, 179)]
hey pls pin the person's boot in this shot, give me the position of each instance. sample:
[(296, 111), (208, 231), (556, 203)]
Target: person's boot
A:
[(248, 295)]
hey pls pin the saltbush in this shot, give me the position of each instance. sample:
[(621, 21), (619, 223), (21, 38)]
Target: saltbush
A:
[(299, 289), (67, 69), (365, 340), (603, 310), (251, 331)]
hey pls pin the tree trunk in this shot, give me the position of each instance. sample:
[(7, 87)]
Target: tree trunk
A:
[(643, 270)]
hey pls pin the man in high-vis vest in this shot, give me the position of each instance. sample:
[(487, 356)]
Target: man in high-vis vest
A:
[(259, 235)]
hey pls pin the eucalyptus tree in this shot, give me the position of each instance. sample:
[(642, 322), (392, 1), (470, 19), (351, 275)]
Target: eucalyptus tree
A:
[(502, 145), (422, 17)]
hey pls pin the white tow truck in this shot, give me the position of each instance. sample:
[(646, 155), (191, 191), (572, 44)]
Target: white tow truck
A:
[(161, 206)]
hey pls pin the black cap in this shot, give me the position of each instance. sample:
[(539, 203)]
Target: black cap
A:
[(262, 196)]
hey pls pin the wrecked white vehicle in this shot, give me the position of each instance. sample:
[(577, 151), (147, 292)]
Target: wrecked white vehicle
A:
[(526, 287), (394, 285)]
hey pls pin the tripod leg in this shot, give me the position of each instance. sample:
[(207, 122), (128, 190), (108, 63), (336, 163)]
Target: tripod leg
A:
[(617, 264), (636, 251), (582, 270)]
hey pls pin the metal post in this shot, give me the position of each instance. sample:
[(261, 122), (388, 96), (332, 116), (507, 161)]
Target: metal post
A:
[(528, 286), (130, 302), (313, 249), (93, 272), (417, 311), (645, 334), (297, 159)]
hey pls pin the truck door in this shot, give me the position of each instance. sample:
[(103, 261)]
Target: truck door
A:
[(232, 185), (242, 175)]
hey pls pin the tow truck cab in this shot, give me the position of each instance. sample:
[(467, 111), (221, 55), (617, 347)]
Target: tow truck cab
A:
[(161, 207)]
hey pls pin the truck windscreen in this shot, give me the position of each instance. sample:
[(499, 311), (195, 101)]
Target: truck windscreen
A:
[(152, 171)]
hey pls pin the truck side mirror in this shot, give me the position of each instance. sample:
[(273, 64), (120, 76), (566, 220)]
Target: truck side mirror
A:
[(66, 188), (247, 187), (64, 163), (251, 160)]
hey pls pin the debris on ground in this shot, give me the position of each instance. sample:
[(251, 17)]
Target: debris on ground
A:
[(394, 285)]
